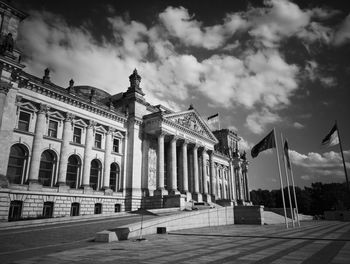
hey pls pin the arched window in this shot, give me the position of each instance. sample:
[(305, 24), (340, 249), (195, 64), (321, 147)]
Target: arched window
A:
[(73, 171), (17, 164), (114, 176), (47, 168), (95, 172)]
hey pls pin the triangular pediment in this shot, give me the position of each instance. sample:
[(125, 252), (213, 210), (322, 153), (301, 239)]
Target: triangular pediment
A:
[(100, 129), (191, 120), (80, 122), (28, 106), (117, 134), (55, 114)]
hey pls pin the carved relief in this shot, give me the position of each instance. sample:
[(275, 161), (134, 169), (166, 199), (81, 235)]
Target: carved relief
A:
[(152, 168), (190, 122)]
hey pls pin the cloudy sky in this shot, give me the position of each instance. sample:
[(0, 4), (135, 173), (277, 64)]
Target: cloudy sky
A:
[(259, 64)]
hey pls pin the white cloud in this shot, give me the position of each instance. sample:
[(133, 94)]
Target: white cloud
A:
[(258, 121), (342, 35), (325, 164), (258, 78), (280, 18), (314, 73), (245, 145), (298, 125), (180, 24)]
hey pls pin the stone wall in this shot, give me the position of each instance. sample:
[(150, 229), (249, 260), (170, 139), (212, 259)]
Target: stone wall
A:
[(33, 203), (252, 215)]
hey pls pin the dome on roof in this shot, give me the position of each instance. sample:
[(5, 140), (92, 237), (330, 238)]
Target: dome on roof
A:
[(86, 90)]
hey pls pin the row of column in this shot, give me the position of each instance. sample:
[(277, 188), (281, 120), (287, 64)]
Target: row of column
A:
[(173, 188), (237, 185), (66, 138)]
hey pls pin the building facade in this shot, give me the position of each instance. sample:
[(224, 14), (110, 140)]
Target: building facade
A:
[(78, 150)]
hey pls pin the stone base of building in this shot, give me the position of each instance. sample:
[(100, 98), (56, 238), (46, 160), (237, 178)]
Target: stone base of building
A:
[(207, 198), (160, 192), (170, 201), (188, 196), (32, 203), (197, 197), (34, 186)]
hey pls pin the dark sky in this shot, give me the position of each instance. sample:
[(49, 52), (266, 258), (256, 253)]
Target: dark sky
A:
[(260, 64)]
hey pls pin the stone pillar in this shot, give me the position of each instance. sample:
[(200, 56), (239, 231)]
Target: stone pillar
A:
[(89, 142), (160, 167), (145, 167), (245, 175), (4, 89), (107, 160), (212, 174), (185, 171), (173, 169), (206, 195), (67, 136), (197, 196), (232, 182), (224, 193), (219, 195), (37, 144), (8, 107)]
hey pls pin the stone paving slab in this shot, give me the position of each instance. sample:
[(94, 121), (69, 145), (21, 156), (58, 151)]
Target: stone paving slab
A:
[(222, 244)]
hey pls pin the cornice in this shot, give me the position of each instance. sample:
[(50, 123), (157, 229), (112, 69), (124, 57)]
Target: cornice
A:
[(60, 94)]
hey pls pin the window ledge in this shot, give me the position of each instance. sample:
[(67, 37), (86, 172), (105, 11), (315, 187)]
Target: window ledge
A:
[(23, 132), (98, 149), (116, 153), (77, 144), (52, 138)]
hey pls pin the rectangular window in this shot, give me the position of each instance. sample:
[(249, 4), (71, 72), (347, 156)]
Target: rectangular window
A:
[(98, 140), (74, 210), (23, 121), (48, 209), (15, 211), (116, 145), (53, 125), (77, 135)]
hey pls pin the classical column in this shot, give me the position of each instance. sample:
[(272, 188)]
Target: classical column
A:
[(145, 165), (224, 193), (218, 182), (245, 175), (173, 169), (160, 167), (4, 89), (89, 141), (236, 166), (212, 174), (197, 196), (37, 144), (206, 196), (107, 160), (195, 169), (184, 167), (67, 136)]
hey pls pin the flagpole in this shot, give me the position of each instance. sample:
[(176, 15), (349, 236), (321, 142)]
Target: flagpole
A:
[(288, 186), (279, 169), (342, 155), (295, 196)]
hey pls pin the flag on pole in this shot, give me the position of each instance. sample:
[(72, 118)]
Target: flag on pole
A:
[(213, 122), (332, 138), (286, 153), (268, 142)]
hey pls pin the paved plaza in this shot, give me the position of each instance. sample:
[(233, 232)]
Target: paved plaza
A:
[(313, 242)]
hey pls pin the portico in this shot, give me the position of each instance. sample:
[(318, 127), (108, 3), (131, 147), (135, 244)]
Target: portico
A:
[(183, 143)]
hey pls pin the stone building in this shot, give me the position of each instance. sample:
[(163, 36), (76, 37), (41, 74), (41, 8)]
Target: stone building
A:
[(78, 150)]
